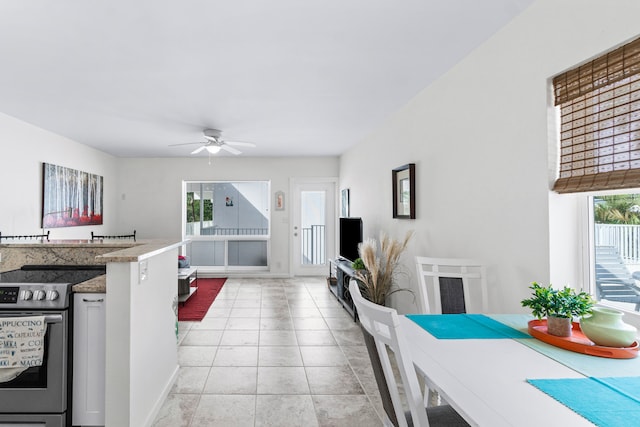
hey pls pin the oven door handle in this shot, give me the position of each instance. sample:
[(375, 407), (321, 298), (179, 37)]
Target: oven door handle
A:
[(48, 318), (53, 318)]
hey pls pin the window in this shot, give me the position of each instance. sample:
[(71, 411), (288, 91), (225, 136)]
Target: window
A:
[(616, 238), (228, 224), (599, 106)]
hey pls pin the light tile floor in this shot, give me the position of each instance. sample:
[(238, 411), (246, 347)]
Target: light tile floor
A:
[(273, 352)]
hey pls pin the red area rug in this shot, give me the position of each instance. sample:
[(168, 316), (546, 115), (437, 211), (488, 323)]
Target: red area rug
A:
[(195, 308)]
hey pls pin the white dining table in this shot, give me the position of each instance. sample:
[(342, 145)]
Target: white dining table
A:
[(485, 379)]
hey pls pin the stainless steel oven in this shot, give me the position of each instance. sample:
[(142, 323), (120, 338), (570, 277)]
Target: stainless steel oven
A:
[(41, 395)]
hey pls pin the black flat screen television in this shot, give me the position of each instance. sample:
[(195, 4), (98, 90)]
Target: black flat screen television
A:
[(350, 237)]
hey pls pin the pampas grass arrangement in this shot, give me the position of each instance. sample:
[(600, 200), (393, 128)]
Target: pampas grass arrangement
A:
[(376, 282)]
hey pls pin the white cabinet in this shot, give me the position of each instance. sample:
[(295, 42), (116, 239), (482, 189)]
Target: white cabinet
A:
[(89, 343)]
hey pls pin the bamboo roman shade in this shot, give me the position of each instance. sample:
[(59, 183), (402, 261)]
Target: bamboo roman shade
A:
[(600, 122)]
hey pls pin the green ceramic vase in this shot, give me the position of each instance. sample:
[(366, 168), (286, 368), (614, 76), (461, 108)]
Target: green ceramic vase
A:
[(605, 327)]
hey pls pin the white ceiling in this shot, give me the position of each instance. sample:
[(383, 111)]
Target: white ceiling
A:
[(296, 77)]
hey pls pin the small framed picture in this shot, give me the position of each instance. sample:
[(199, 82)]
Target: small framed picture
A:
[(404, 192), (279, 200), (345, 203)]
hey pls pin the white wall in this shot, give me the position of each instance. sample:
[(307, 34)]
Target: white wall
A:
[(23, 149), (151, 192), (479, 139)]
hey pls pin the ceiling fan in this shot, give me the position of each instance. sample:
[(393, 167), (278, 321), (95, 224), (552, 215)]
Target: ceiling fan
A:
[(214, 143)]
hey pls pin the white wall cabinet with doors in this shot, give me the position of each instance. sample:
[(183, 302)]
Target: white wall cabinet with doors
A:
[(89, 344)]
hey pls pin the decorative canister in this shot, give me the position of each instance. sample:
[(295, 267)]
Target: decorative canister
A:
[(605, 327)]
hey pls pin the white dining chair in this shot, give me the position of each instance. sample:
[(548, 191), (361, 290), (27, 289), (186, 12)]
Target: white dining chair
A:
[(451, 286), (383, 325)]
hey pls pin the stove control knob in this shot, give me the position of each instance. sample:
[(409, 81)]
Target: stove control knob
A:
[(52, 295), (39, 295), (26, 295)]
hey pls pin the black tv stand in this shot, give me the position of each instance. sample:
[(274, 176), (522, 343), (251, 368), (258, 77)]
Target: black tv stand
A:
[(340, 273)]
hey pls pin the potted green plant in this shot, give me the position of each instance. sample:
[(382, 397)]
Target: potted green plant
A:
[(358, 269), (358, 264), (559, 306)]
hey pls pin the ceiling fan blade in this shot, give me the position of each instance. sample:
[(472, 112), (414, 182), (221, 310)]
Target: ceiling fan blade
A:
[(197, 150), (185, 143), (240, 143), (230, 149)]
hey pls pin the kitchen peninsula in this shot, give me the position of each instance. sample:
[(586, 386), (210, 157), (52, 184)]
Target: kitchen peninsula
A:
[(141, 351)]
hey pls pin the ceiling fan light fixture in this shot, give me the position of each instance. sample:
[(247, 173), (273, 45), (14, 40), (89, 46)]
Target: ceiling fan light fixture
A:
[(212, 149)]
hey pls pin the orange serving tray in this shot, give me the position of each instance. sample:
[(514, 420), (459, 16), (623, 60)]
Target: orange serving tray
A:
[(579, 343)]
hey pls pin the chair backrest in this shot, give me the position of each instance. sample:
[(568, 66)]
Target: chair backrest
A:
[(383, 324), (387, 404), (455, 285)]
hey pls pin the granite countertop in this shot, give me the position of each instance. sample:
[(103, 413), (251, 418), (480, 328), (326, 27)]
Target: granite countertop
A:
[(61, 252), (140, 252), (69, 243), (130, 254), (95, 285)]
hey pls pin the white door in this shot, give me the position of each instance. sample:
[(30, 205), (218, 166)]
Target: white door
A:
[(313, 226)]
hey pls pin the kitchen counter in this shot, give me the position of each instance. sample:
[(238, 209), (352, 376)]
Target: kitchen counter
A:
[(91, 286), (81, 252), (130, 254), (58, 252), (141, 252)]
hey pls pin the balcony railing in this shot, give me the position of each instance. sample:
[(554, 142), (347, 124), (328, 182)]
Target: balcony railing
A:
[(247, 231), (626, 238), (313, 245), (206, 228)]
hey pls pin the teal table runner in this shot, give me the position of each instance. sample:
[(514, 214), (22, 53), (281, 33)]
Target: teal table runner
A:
[(590, 366), (610, 396), (606, 402), (465, 326)]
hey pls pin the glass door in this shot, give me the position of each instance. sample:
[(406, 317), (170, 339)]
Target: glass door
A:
[(313, 228)]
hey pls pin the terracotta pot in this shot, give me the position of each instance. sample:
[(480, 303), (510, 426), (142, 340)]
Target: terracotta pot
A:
[(559, 326)]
